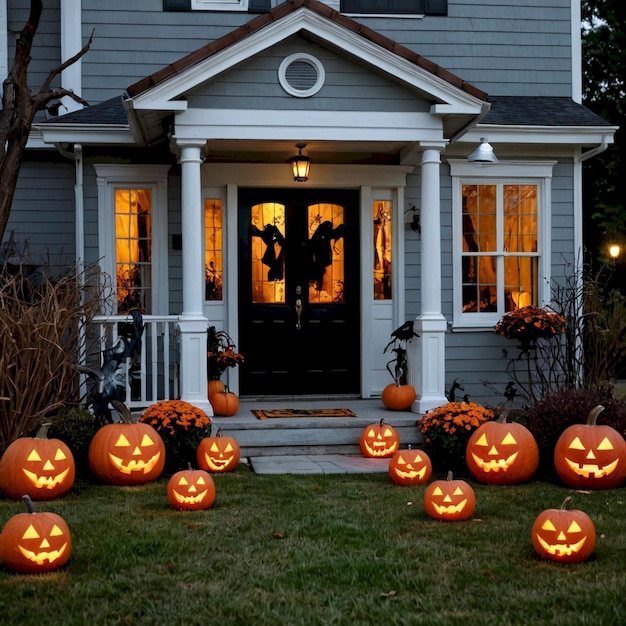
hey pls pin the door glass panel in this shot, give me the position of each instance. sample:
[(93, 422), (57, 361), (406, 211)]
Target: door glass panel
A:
[(382, 214), (326, 231), (133, 249), (213, 250), (268, 263)]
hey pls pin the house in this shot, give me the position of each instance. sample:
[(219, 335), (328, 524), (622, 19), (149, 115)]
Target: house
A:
[(177, 181)]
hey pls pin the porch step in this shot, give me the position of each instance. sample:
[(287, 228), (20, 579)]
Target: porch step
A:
[(313, 436)]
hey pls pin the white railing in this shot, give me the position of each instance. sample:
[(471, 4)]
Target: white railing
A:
[(152, 374)]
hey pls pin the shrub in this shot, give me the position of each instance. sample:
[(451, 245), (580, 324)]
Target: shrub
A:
[(76, 427), (182, 426)]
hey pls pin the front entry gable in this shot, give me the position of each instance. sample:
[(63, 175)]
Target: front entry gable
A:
[(456, 104)]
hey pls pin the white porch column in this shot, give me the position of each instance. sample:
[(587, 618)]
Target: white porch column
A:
[(427, 373), (192, 322)]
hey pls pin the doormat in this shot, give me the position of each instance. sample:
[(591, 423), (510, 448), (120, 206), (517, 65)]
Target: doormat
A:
[(265, 414)]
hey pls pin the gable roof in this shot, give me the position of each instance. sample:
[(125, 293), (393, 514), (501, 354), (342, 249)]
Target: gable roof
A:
[(280, 12)]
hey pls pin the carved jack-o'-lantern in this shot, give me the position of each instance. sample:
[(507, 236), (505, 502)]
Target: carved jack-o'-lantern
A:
[(35, 542), (218, 454), (191, 490), (564, 535), (379, 440), (40, 467), (502, 453), (126, 453), (410, 467), (449, 499), (591, 456)]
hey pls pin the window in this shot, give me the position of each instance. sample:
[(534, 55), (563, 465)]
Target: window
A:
[(206, 5), (213, 250), (382, 216), (501, 241), (132, 229), (395, 7)]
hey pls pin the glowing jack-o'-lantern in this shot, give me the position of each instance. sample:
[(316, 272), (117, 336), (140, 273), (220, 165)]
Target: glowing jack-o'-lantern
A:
[(591, 456), (39, 467), (379, 440), (564, 535), (191, 490), (35, 542), (218, 454), (410, 467), (502, 453), (449, 499), (126, 453)]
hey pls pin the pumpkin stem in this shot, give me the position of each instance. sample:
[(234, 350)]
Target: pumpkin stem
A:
[(504, 414), (219, 432), (189, 466), (593, 415), (450, 474), (42, 433), (382, 422), (123, 410), (29, 503), (566, 503)]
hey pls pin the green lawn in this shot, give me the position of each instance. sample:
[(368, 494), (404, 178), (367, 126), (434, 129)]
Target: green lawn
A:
[(288, 550)]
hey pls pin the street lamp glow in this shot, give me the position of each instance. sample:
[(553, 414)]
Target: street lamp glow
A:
[(614, 250)]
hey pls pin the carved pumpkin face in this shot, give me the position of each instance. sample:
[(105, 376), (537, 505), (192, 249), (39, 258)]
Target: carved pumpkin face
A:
[(410, 467), (191, 490), (563, 535), (127, 454), (590, 456), (449, 499), (379, 440), (35, 542), (502, 453), (218, 454), (42, 468)]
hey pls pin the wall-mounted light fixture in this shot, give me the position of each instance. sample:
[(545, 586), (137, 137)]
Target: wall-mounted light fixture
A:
[(300, 164), (483, 154)]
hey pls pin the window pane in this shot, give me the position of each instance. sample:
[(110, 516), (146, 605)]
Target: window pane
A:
[(382, 214), (520, 218), (479, 218), (213, 250), (133, 249), (268, 238), (479, 284), (326, 225), (520, 276)]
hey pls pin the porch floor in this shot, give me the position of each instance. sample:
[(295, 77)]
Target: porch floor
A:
[(312, 445)]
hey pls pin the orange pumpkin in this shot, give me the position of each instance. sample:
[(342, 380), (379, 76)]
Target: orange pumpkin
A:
[(398, 397), (40, 467), (379, 440), (449, 500), (218, 454), (35, 542), (126, 453), (410, 467), (191, 490), (214, 386), (225, 403), (564, 535), (591, 456), (502, 453)]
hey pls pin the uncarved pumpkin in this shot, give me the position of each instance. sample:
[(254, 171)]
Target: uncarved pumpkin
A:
[(502, 453), (591, 456), (218, 454), (39, 467), (34, 542), (225, 403), (214, 386), (379, 440), (126, 453), (410, 467), (191, 490), (564, 535), (398, 397), (449, 500)]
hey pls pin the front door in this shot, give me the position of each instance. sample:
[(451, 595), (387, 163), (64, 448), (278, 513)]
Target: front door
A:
[(299, 327)]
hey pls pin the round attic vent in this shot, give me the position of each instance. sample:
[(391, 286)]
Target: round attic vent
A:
[(301, 75)]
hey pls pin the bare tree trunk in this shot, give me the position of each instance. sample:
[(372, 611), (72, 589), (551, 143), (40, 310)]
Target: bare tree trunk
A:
[(19, 107)]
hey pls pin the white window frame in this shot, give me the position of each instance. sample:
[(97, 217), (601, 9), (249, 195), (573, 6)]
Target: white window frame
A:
[(505, 172), (154, 177), (219, 5)]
